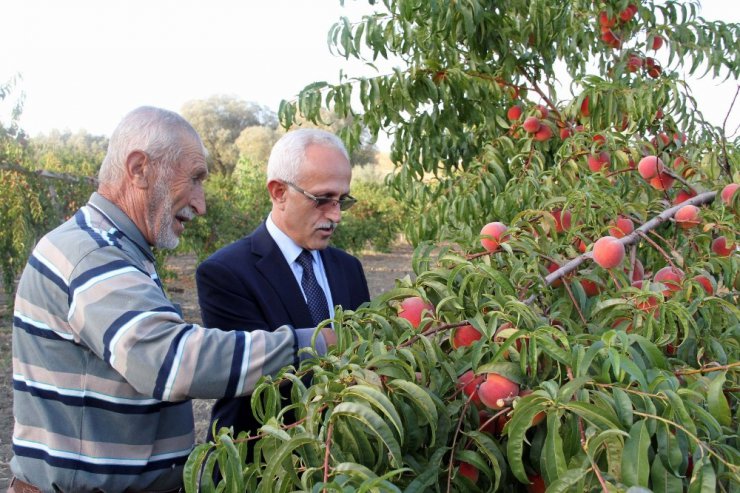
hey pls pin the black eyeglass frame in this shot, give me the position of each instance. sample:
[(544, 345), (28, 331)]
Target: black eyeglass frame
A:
[(344, 203)]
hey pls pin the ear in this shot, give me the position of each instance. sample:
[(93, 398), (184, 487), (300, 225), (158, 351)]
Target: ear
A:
[(278, 191), (139, 169)]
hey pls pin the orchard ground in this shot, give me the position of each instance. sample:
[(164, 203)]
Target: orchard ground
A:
[(381, 269)]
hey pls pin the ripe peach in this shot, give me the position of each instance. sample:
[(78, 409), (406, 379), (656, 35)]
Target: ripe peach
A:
[(531, 124), (705, 282), (721, 247), (622, 228), (634, 63), (536, 484), (671, 278), (464, 336), (687, 216), (413, 309), (610, 38), (468, 382), (562, 219), (729, 192), (585, 111), (496, 390), (683, 195), (650, 166), (653, 67), (623, 323), (660, 141), (540, 416), (605, 20), (514, 113), (590, 287), (543, 134), (657, 42), (493, 235), (663, 181), (504, 331), (469, 471), (608, 252), (599, 162), (627, 14), (541, 111)]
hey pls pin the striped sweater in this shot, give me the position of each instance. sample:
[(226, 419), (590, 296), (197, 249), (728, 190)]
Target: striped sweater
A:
[(104, 366)]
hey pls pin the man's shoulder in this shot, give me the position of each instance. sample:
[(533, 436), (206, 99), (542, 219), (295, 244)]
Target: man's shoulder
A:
[(235, 249)]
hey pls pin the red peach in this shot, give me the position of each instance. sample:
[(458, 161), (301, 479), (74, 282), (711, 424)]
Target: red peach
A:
[(605, 20), (634, 63), (721, 247), (536, 484), (650, 166), (468, 382), (687, 216), (639, 271), (663, 181), (413, 309), (657, 42), (608, 252), (469, 471), (496, 390), (627, 14), (622, 228), (493, 235), (543, 134), (464, 336), (541, 111), (729, 192), (552, 268), (531, 124), (590, 287), (683, 195), (599, 162), (705, 282), (671, 278), (514, 113), (653, 67), (562, 219), (585, 111)]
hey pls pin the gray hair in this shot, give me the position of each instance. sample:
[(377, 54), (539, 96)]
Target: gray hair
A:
[(158, 132), (289, 153)]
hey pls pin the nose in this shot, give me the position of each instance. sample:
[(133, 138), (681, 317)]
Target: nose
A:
[(334, 213), (198, 201)]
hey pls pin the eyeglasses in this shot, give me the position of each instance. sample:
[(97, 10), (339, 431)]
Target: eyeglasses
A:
[(344, 203)]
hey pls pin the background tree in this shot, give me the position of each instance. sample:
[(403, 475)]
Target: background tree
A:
[(255, 143), (79, 153), (220, 120), (573, 323)]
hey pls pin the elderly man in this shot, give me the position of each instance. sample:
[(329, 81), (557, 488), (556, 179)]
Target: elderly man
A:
[(285, 272), (104, 365)]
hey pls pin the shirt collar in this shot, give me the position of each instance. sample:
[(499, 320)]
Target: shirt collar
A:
[(289, 248), (121, 221)]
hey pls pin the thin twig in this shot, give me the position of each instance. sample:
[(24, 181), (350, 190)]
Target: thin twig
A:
[(708, 369), (327, 453)]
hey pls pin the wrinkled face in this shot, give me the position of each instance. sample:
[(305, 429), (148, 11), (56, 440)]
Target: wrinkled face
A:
[(325, 173), (177, 197)]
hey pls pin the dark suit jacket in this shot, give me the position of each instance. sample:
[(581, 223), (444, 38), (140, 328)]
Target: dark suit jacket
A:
[(248, 285)]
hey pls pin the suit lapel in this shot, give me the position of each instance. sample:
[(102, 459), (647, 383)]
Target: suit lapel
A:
[(272, 265), (337, 280)]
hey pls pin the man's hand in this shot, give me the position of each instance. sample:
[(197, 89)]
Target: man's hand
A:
[(330, 337)]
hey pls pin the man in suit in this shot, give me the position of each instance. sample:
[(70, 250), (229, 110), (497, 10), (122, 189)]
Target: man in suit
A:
[(262, 281)]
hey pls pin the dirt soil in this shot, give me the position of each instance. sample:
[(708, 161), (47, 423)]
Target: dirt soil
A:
[(381, 269)]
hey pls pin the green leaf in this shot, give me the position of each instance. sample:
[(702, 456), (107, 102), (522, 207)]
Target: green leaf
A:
[(567, 481), (516, 428), (552, 463), (704, 479), (378, 400), (663, 481), (373, 423), (276, 466), (191, 471), (716, 400), (635, 463), (421, 401)]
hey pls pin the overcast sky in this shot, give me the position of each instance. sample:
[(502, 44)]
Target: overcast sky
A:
[(85, 63)]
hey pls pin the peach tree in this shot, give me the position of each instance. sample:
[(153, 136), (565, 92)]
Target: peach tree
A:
[(573, 321)]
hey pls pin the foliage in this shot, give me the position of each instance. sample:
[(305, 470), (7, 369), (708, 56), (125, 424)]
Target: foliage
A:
[(624, 382), (375, 221), (239, 203), (220, 120), (77, 153)]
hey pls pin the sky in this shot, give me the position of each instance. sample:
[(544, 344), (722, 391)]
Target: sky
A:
[(86, 63)]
